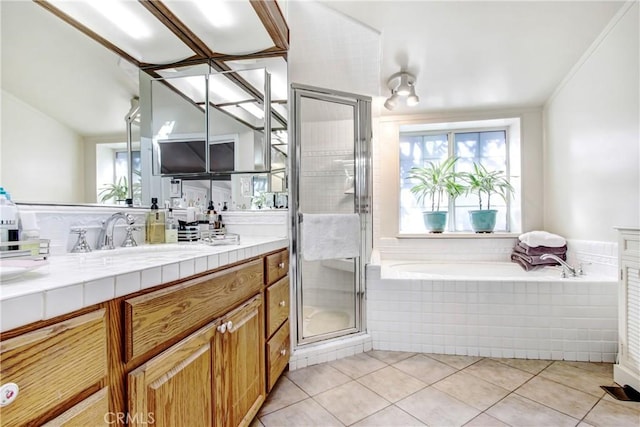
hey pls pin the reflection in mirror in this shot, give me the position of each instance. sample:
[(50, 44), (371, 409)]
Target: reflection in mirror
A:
[(63, 117), (64, 98), (202, 128)]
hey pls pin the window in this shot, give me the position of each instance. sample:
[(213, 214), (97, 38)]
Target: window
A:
[(489, 146), (121, 171)]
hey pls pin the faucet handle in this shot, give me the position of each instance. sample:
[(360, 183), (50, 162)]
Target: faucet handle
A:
[(580, 270), (81, 246), (129, 241)]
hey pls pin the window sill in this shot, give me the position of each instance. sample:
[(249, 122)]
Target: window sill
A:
[(460, 235)]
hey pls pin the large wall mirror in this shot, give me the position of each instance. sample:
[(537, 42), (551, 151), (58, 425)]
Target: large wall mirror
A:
[(64, 135)]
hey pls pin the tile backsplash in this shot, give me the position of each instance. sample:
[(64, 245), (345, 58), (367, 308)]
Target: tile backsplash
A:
[(56, 221)]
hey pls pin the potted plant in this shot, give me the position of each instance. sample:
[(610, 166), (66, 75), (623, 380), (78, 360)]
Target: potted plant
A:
[(435, 181), (118, 191), (483, 182)]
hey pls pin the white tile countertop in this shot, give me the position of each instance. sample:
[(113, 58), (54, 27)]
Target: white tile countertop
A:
[(73, 281)]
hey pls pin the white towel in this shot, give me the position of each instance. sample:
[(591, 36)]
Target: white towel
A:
[(330, 236), (542, 238)]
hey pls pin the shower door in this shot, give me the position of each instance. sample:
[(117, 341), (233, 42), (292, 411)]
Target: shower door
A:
[(330, 211)]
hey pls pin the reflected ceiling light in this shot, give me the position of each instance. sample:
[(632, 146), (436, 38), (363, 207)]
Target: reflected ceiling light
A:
[(217, 12), (118, 14), (252, 109), (402, 85)]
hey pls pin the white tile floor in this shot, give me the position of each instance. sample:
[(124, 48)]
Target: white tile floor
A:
[(382, 388)]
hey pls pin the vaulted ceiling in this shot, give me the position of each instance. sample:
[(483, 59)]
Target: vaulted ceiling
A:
[(480, 54), (465, 54)]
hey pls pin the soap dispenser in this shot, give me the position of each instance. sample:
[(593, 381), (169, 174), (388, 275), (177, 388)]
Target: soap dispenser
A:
[(155, 225), (171, 228)]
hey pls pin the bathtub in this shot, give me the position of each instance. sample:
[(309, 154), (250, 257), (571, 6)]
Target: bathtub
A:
[(491, 309), (468, 270)]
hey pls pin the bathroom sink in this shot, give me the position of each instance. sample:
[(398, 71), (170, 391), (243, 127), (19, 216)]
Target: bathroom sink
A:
[(165, 251)]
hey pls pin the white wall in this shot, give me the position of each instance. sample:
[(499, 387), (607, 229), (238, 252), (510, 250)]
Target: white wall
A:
[(592, 155), (36, 146), (349, 63)]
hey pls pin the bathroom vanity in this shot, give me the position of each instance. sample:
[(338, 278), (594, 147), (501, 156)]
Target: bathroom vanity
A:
[(202, 349)]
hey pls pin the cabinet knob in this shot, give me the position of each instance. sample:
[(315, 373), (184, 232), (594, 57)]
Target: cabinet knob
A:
[(230, 326), (222, 328), (283, 352), (282, 303), (8, 393), (281, 265)]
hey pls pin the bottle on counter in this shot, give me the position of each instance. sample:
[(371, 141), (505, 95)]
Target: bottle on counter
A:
[(171, 228), (9, 231), (29, 231), (155, 224)]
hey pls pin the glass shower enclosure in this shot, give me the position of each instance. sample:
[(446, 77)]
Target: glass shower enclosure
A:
[(330, 195)]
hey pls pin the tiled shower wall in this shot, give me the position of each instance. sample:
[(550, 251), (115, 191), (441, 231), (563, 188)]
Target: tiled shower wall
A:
[(326, 186), (323, 180)]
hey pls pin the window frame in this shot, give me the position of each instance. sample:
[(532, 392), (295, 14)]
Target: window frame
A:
[(450, 129)]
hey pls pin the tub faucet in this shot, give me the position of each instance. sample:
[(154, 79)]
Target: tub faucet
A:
[(105, 239), (566, 267)]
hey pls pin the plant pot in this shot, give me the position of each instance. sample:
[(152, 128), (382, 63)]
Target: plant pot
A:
[(483, 221), (435, 222)]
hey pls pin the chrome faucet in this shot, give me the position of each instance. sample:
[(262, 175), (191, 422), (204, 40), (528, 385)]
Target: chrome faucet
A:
[(105, 239), (566, 267)]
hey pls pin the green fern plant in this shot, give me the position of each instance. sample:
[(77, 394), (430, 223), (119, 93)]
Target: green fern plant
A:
[(435, 180), (481, 182), (117, 191)]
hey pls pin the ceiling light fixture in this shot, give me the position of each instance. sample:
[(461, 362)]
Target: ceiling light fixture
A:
[(402, 85)]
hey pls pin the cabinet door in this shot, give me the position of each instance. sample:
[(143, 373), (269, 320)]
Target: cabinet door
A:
[(175, 388), (243, 364), (629, 316), (52, 365), (92, 411)]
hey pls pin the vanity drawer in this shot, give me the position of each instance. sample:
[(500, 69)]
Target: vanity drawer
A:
[(277, 266), (278, 349), (160, 316), (277, 305), (52, 365)]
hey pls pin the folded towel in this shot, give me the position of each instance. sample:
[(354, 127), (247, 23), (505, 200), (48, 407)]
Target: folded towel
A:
[(523, 248), (536, 260), (542, 238), (524, 264), (330, 236)]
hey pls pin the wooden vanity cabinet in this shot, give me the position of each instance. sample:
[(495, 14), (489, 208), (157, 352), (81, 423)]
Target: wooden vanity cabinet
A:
[(92, 411), (54, 366), (241, 392), (215, 376), (201, 351), (176, 387), (277, 331)]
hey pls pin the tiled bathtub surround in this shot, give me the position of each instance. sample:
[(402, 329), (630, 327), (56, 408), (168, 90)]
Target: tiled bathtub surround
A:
[(571, 319), (597, 257)]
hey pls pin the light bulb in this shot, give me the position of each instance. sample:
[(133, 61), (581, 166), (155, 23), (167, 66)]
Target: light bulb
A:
[(412, 99), (404, 88), (391, 102)]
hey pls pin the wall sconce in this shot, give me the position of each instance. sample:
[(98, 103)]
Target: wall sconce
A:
[(402, 85)]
